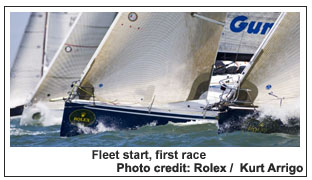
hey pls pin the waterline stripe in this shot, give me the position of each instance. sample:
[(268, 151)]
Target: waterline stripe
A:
[(155, 115)]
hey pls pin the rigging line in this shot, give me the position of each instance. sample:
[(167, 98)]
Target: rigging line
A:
[(151, 105), (225, 37), (44, 42), (207, 19), (82, 46), (104, 27), (63, 77), (239, 46), (27, 31)]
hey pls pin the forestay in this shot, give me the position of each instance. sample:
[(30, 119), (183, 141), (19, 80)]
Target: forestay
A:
[(274, 76), (27, 68), (162, 56), (73, 55)]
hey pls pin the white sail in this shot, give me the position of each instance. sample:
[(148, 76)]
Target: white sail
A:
[(274, 76), (73, 55), (27, 68), (162, 56), (20, 20), (244, 31), (59, 24)]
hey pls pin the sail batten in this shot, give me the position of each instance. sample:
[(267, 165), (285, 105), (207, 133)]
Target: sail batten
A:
[(158, 56)]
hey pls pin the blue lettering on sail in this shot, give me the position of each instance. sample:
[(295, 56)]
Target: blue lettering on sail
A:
[(239, 24), (266, 27), (252, 30)]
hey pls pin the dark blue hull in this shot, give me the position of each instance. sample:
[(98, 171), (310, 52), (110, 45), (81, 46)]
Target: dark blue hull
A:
[(250, 120), (17, 111), (232, 119), (76, 114)]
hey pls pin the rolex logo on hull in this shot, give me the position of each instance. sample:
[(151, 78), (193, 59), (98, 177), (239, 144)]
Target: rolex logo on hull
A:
[(82, 116)]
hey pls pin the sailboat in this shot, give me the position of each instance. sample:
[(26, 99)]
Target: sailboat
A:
[(149, 69), (44, 33), (271, 83), (242, 35), (45, 105)]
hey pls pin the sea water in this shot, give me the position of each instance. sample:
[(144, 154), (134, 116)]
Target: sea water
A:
[(195, 134)]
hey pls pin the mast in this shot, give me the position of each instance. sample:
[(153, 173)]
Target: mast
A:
[(44, 42)]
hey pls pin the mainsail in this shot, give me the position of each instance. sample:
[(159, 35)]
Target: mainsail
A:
[(274, 75), (73, 55), (159, 57), (27, 67)]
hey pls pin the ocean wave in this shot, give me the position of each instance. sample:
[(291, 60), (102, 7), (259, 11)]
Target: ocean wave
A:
[(285, 113), (194, 122), (23, 132), (98, 129)]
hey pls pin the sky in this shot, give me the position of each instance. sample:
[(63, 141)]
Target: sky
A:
[(18, 23)]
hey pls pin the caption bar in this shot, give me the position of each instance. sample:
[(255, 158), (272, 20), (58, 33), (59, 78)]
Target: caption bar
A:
[(195, 167)]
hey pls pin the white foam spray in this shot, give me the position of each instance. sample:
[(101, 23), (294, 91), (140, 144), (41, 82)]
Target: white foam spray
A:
[(154, 123), (195, 122), (98, 129), (23, 132), (284, 113), (48, 116)]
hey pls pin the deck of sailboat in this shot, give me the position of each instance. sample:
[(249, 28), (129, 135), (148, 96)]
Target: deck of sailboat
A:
[(185, 110)]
